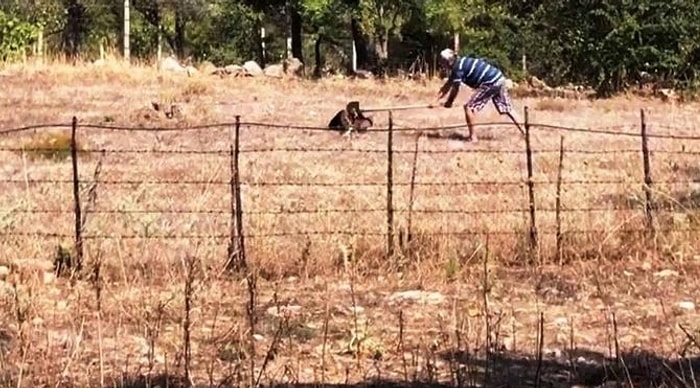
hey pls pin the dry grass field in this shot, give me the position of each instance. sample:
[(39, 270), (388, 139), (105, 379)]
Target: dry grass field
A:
[(463, 305)]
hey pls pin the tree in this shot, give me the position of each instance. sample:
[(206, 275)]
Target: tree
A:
[(15, 36), (327, 19), (379, 20), (227, 35)]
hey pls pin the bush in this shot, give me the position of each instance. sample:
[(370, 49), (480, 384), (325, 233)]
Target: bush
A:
[(53, 146)]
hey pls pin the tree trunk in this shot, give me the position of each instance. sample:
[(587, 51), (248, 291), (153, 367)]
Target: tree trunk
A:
[(317, 54), (381, 48), (179, 36), (259, 41), (296, 34), (363, 57), (74, 32)]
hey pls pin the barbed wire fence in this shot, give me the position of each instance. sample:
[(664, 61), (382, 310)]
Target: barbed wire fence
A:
[(236, 208)]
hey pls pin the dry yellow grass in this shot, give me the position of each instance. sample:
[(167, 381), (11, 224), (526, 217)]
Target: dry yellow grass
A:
[(132, 320)]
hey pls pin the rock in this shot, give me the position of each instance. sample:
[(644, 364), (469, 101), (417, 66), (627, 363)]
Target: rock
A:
[(666, 273), (424, 297), (207, 67), (237, 71), (60, 338), (680, 219), (343, 287), (364, 74), (561, 321), (4, 271), (555, 353), (48, 277), (537, 83), (294, 67), (252, 68), (668, 94), (283, 311), (171, 64), (275, 71), (509, 83), (348, 311), (191, 70), (686, 305)]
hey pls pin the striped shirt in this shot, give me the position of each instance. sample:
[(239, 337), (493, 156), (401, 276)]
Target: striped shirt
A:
[(474, 72)]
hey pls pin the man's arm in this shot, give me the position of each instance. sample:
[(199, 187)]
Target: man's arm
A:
[(454, 90), (445, 88), (452, 85)]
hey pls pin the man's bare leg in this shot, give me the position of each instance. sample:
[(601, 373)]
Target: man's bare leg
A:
[(469, 117)]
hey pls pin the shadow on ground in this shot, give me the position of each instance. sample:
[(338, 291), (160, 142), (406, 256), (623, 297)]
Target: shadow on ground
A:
[(481, 135), (579, 367)]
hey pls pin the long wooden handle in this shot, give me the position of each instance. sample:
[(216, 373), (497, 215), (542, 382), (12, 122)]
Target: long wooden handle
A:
[(400, 107)]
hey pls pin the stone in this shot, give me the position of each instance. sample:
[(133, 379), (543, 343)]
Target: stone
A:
[(252, 68), (294, 67), (666, 273), (171, 64), (235, 70), (281, 311), (275, 71), (424, 297)]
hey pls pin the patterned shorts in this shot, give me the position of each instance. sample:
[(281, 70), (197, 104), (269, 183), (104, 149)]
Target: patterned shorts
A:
[(496, 92)]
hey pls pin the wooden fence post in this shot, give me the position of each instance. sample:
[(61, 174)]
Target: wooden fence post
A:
[(236, 250), (649, 205), (411, 197), (390, 189), (558, 200), (530, 184), (76, 197)]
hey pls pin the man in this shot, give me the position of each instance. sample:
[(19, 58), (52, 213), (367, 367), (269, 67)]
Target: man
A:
[(477, 74)]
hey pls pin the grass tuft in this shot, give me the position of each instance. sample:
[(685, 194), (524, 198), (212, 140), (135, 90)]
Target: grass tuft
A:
[(50, 146)]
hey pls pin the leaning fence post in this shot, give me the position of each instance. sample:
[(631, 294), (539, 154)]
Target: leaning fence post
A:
[(530, 184), (647, 174), (76, 196), (558, 200), (411, 196), (236, 250), (390, 189)]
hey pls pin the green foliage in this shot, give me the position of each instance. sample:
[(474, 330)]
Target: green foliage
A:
[(227, 35), (610, 45), (144, 37), (326, 17), (15, 36)]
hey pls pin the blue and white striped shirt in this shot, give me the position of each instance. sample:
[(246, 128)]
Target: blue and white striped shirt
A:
[(474, 72)]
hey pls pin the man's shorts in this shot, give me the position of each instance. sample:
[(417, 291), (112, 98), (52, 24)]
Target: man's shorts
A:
[(496, 92)]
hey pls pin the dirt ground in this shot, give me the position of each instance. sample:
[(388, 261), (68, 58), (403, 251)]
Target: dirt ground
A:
[(461, 306)]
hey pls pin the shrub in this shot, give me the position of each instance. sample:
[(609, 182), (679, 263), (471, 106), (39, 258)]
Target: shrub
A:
[(53, 146)]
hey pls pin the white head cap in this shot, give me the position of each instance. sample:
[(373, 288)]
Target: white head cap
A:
[(447, 55)]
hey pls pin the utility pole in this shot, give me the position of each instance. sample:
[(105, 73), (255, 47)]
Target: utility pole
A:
[(127, 49)]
